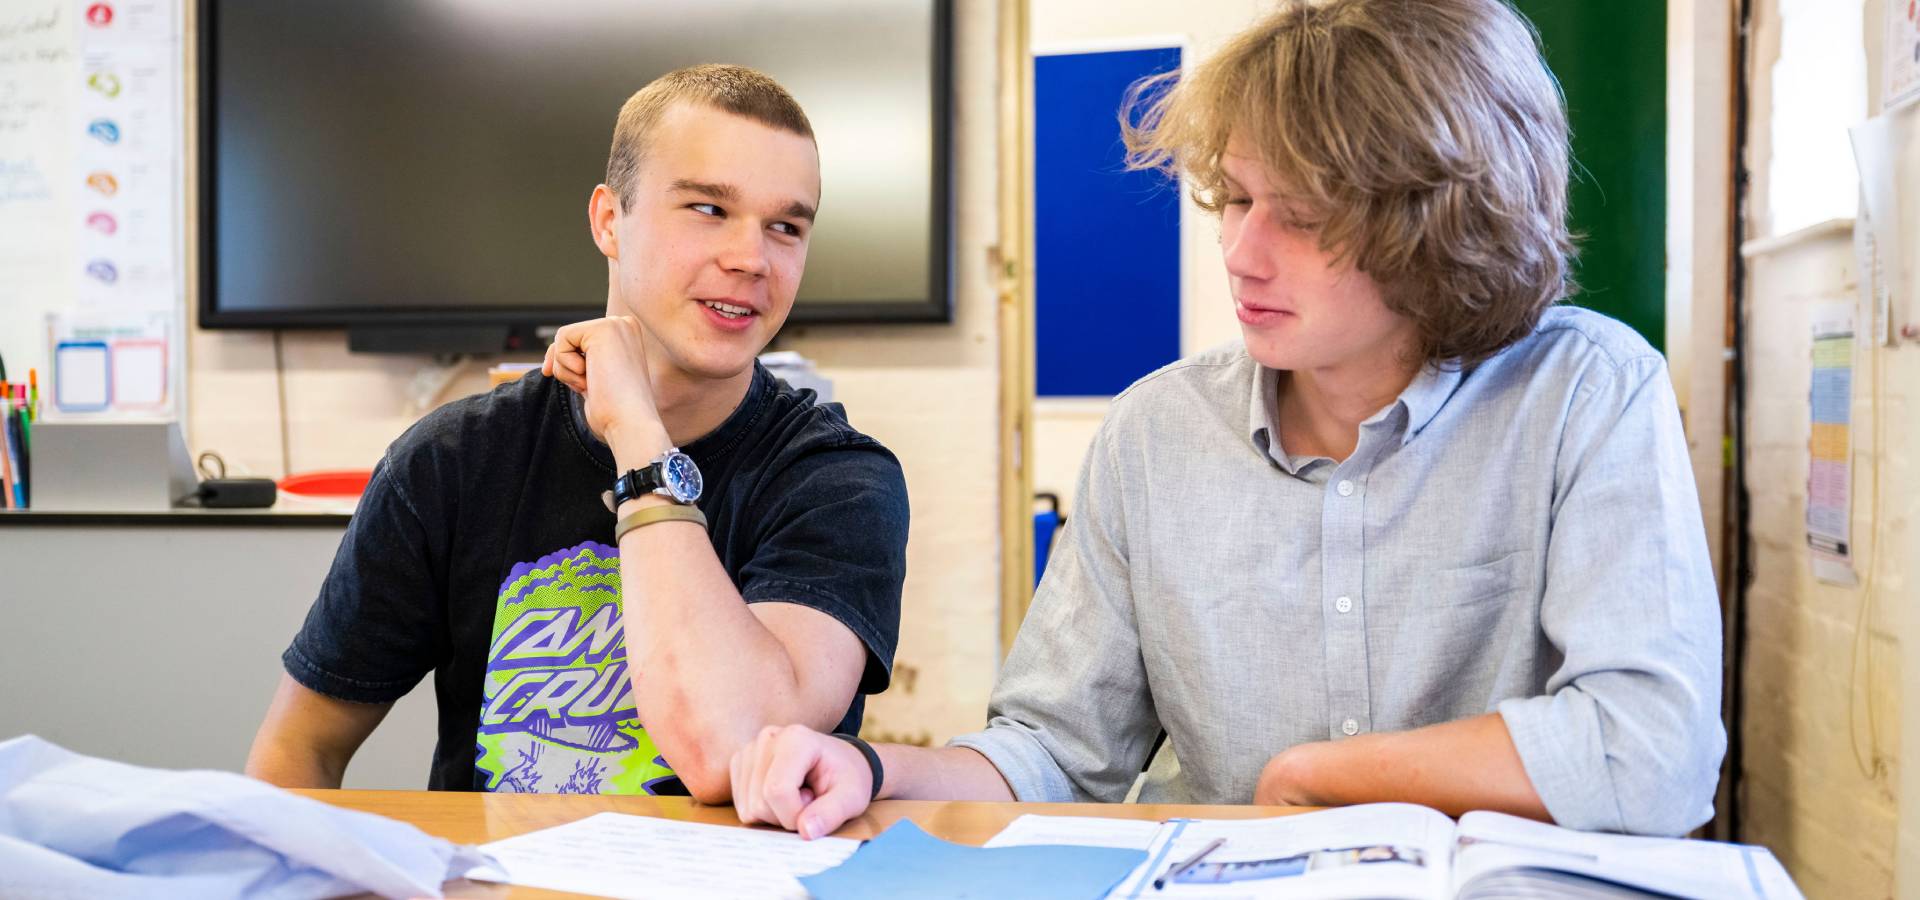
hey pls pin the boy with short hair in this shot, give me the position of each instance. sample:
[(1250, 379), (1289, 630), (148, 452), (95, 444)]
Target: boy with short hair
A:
[(746, 570)]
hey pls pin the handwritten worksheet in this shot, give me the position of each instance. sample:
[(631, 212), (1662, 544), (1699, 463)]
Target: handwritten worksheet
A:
[(615, 855)]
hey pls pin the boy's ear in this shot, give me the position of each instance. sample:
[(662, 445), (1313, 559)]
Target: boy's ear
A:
[(603, 210)]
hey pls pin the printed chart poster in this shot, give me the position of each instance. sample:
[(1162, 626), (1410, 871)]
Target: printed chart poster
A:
[(111, 365), (1830, 468), (127, 133), (1902, 57)]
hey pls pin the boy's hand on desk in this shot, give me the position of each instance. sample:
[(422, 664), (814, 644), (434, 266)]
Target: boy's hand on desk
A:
[(605, 361), (801, 780)]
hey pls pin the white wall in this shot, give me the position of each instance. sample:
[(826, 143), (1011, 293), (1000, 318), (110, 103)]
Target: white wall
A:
[(1830, 781), (1817, 787)]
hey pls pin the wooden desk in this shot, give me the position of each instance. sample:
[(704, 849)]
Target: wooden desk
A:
[(474, 818)]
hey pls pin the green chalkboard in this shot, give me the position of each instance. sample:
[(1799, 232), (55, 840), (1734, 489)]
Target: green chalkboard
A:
[(1611, 59)]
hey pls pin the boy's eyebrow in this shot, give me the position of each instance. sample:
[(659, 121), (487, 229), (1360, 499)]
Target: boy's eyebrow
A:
[(710, 190), (798, 210), (727, 193)]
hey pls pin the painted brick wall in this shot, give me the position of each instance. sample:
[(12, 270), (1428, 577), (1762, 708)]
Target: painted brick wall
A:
[(1819, 789)]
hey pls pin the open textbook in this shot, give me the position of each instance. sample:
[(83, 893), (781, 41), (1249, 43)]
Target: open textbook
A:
[(1402, 851)]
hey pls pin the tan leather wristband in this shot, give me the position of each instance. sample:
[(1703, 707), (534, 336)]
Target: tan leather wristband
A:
[(666, 512)]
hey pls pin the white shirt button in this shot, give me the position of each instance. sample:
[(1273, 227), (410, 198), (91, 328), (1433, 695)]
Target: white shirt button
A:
[(1350, 727), (1344, 604), (1345, 488)]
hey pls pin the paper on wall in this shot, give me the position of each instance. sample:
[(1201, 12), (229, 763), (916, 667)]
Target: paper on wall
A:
[(111, 364), (1886, 259), (1872, 278), (1900, 63), (1830, 446), (127, 131)]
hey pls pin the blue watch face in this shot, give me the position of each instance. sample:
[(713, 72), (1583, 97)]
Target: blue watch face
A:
[(682, 477)]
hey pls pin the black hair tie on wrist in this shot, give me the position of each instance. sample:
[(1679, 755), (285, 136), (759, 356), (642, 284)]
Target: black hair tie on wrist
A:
[(873, 761)]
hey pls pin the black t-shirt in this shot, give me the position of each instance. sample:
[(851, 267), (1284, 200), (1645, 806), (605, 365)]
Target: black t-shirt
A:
[(481, 551)]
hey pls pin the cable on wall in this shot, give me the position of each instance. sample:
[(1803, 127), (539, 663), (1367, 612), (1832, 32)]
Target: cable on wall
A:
[(1873, 766)]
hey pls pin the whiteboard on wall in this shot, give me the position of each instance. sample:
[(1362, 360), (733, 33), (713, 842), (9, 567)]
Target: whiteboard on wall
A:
[(91, 172)]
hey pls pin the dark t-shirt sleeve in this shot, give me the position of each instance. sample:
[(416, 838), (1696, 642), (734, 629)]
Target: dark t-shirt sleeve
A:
[(833, 537), (375, 630)]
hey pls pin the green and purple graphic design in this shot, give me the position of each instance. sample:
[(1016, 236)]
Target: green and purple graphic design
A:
[(558, 714)]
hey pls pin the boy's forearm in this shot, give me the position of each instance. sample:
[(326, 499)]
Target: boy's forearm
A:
[(1454, 767), (284, 767), (307, 739), (939, 773), (708, 675)]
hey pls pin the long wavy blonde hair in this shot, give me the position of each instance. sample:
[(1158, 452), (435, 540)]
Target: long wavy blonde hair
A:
[(1425, 139)]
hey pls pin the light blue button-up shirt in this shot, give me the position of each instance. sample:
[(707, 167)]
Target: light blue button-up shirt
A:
[(1523, 537)]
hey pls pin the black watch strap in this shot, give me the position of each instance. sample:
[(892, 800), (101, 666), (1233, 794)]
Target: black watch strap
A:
[(873, 762), (636, 483)]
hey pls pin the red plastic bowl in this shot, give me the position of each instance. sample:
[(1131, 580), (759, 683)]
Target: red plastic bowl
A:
[(338, 483)]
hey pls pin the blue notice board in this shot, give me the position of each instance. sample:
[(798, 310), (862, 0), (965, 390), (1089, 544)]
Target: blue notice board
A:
[(1106, 240)]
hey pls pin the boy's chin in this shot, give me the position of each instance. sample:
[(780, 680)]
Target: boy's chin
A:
[(1282, 355), (717, 360)]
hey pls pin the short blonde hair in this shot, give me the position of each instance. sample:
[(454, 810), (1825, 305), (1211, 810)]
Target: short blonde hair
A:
[(1425, 138), (732, 89)]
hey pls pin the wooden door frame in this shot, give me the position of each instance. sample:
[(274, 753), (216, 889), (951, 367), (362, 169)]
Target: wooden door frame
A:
[(1013, 274)]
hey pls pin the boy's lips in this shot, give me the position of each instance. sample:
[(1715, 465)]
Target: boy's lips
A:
[(728, 314), (731, 300), (1255, 315)]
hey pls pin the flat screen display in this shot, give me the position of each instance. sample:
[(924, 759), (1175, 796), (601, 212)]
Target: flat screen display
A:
[(368, 162)]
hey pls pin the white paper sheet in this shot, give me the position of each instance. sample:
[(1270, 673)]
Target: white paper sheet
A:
[(1874, 296), (615, 855), (1900, 63), (1880, 150), (81, 378), (78, 826), (1077, 831), (139, 374)]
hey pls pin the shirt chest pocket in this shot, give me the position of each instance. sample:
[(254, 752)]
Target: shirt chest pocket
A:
[(1442, 621), (1477, 583)]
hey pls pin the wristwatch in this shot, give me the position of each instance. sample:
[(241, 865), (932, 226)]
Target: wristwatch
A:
[(673, 476)]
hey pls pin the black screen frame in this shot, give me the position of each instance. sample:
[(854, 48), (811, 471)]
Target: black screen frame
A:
[(936, 307)]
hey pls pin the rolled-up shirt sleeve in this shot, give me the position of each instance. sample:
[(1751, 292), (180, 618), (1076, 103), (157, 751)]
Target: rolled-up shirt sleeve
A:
[(1628, 736), (1071, 718)]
